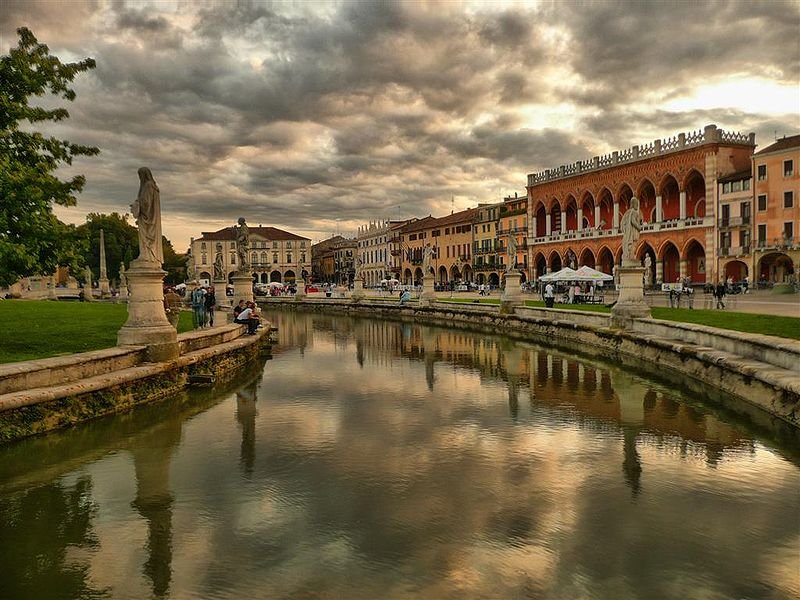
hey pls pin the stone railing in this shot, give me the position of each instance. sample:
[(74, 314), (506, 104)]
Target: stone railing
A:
[(709, 135)]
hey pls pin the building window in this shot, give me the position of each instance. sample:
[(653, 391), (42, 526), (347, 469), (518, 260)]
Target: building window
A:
[(736, 186), (726, 188), (203, 259), (788, 199), (302, 244), (275, 258), (788, 230), (303, 257), (762, 234), (746, 185), (788, 168), (202, 245), (762, 172), (288, 244), (233, 258), (254, 258), (289, 257), (762, 202), (274, 245), (263, 258), (233, 245)]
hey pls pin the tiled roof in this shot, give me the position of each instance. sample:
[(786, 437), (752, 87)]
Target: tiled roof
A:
[(269, 233), (739, 175), (463, 216), (792, 141)]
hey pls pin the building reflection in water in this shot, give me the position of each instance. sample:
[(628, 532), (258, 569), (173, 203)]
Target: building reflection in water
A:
[(592, 392)]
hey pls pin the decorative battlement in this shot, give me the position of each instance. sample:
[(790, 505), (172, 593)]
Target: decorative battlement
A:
[(709, 135)]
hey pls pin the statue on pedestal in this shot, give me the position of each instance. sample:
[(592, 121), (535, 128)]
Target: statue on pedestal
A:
[(219, 265), (243, 245), (648, 269), (146, 209), (511, 263), (427, 257), (122, 279), (631, 226)]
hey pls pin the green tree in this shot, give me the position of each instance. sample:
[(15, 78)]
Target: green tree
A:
[(174, 264), (121, 242), (32, 240)]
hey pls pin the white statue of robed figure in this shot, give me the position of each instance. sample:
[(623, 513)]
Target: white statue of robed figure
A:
[(511, 263), (427, 258), (631, 226), (146, 209)]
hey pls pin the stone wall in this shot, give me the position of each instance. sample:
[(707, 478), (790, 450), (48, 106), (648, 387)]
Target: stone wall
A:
[(45, 395)]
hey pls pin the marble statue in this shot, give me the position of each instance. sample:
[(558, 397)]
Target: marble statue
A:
[(631, 226), (573, 260), (146, 209), (122, 279), (511, 251), (427, 257), (219, 265), (357, 275), (243, 245), (648, 269), (190, 268)]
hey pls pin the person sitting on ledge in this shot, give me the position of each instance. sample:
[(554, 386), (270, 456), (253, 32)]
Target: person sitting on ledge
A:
[(248, 317), (238, 309)]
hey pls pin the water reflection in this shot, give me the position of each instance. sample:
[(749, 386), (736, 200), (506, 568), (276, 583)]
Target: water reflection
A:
[(388, 460)]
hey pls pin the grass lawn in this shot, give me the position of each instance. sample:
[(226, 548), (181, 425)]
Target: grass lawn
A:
[(32, 329), (787, 327)]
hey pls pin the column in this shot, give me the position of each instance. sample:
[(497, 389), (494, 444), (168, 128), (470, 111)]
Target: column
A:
[(563, 222), (659, 271), (580, 219), (683, 205), (548, 224), (659, 209), (683, 268), (533, 227), (597, 216), (615, 222)]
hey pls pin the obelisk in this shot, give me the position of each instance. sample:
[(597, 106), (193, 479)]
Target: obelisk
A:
[(102, 283)]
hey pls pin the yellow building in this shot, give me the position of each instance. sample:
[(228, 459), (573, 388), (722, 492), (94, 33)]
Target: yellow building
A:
[(777, 211)]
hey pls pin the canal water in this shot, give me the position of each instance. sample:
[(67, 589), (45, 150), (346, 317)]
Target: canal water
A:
[(383, 460)]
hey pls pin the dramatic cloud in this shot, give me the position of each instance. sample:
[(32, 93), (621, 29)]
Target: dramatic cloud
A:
[(313, 117)]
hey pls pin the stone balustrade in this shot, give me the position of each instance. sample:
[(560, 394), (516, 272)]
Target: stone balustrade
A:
[(709, 135)]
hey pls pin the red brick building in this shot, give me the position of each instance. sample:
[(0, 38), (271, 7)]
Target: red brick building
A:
[(574, 211)]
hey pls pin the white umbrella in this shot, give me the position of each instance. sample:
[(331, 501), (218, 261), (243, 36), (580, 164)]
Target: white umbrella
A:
[(274, 284)]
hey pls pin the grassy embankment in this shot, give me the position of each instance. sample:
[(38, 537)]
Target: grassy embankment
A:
[(31, 329), (787, 327)]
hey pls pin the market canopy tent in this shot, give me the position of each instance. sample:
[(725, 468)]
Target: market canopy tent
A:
[(565, 274), (589, 274)]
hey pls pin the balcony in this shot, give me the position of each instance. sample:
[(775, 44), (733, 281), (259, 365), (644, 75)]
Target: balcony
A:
[(734, 221), (733, 251), (486, 267), (781, 243), (558, 236)]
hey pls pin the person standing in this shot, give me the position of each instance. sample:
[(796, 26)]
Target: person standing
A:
[(549, 295), (211, 303), (199, 307), (719, 294)]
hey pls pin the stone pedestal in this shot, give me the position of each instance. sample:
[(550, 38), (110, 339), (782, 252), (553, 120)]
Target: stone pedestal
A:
[(103, 286), (242, 288), (630, 304), (358, 291), (123, 292), (428, 295), (512, 293), (147, 323), (300, 285)]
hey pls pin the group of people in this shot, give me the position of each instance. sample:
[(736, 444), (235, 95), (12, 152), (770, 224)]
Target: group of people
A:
[(204, 301), (246, 313)]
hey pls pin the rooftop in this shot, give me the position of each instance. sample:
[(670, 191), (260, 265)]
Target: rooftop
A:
[(268, 233), (793, 141)]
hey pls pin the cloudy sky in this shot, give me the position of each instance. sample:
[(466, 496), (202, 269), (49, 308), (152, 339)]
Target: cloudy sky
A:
[(317, 117)]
